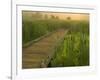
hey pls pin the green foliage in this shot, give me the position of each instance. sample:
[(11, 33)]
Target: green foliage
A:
[(74, 51), (33, 30), (36, 28)]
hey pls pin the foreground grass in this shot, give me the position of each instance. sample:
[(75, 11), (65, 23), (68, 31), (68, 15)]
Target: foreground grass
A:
[(74, 50)]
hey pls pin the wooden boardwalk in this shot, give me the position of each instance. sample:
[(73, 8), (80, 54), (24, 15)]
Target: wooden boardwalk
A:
[(40, 53)]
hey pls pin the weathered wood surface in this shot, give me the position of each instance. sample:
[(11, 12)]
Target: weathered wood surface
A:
[(40, 53)]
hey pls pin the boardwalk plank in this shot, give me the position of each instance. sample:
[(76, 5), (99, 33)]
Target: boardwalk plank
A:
[(40, 53)]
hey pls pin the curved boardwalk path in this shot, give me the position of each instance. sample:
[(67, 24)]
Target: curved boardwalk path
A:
[(40, 53)]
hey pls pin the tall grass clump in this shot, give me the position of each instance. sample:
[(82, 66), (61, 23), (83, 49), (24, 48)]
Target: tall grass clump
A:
[(34, 29), (74, 51)]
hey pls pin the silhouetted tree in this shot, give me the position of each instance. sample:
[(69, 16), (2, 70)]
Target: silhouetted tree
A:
[(68, 18), (52, 17), (57, 17)]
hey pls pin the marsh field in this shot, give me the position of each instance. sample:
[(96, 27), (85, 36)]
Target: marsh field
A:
[(64, 35)]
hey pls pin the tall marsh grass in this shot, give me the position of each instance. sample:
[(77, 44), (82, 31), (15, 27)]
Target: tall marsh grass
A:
[(74, 51)]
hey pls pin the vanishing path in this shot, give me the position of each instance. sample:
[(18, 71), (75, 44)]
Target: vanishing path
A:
[(40, 53)]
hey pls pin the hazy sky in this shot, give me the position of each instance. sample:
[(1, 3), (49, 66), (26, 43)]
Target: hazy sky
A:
[(74, 16)]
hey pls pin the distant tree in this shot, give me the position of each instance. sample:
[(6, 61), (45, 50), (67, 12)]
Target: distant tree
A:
[(52, 17), (57, 17), (68, 18)]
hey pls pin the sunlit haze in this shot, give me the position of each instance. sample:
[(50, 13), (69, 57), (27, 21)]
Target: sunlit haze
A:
[(64, 16)]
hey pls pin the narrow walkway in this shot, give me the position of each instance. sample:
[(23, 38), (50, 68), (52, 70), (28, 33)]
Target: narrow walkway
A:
[(40, 53)]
